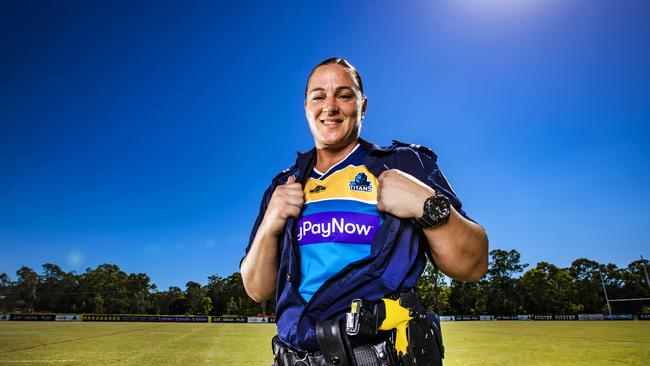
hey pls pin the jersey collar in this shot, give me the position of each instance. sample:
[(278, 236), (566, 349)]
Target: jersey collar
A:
[(305, 161)]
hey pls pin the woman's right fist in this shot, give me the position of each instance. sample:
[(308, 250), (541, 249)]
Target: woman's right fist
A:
[(287, 201)]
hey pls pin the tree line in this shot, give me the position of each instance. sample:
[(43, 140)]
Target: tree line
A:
[(544, 289), (506, 289), (109, 290)]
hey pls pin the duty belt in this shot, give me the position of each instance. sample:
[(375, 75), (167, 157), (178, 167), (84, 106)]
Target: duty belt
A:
[(393, 331), (379, 354)]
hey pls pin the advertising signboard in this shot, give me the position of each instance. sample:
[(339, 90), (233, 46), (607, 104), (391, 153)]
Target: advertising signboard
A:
[(33, 317), (145, 318), (507, 317), (229, 319), (67, 317), (467, 317)]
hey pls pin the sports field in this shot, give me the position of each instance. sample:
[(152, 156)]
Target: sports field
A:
[(467, 343)]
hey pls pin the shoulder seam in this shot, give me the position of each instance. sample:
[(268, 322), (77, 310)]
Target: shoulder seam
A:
[(416, 148), (283, 172)]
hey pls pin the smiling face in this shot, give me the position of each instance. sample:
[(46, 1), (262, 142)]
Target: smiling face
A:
[(334, 107)]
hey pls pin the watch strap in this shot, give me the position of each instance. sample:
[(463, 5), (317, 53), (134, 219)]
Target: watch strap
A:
[(430, 217)]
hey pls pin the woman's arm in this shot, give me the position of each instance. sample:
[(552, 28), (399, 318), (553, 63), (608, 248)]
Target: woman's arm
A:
[(259, 269), (459, 247)]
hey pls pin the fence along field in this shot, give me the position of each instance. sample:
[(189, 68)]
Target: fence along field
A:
[(484, 343)]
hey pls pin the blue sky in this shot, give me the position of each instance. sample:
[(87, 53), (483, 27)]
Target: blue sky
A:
[(144, 133)]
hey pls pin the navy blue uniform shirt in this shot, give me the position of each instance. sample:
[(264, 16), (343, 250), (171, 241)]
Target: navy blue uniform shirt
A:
[(397, 258)]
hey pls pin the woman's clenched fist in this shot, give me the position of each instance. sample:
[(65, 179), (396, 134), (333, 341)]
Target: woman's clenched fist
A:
[(287, 201), (401, 194)]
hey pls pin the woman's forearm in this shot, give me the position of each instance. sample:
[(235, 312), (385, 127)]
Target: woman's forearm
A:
[(259, 269)]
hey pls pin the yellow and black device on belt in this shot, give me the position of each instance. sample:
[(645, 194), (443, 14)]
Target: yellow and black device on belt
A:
[(393, 331), (385, 315), (416, 340)]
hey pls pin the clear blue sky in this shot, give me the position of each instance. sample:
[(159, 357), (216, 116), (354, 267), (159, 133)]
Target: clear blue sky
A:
[(144, 133)]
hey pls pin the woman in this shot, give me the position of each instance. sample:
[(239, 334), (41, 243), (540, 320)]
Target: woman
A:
[(352, 220)]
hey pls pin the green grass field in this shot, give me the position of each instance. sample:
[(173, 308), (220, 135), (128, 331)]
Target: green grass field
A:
[(467, 343)]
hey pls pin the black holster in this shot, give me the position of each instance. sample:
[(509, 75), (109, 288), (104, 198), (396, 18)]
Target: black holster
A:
[(423, 332), (334, 343)]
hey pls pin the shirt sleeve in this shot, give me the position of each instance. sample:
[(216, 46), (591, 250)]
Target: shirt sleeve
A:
[(441, 185), (425, 166), (430, 173)]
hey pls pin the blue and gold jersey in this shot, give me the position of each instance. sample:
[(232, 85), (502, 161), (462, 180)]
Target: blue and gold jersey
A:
[(339, 220)]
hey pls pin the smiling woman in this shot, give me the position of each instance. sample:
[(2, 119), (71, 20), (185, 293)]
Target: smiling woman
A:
[(334, 107), (352, 220)]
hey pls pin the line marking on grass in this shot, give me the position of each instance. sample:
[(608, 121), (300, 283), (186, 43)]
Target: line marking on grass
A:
[(81, 339), (36, 361), (171, 341), (545, 336)]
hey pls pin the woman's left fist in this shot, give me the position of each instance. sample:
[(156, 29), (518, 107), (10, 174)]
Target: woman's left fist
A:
[(401, 194)]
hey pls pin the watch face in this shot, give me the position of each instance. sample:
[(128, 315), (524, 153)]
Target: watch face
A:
[(441, 205), (438, 208), (436, 211)]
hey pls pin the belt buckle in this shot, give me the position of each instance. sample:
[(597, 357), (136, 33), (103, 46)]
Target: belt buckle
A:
[(301, 361)]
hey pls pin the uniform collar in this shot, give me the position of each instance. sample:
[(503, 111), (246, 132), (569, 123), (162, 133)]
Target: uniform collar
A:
[(374, 150), (366, 145), (305, 161)]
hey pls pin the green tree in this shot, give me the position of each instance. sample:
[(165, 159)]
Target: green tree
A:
[(547, 289), (180, 306), (635, 286), (7, 298), (26, 287), (206, 306), (466, 298), (216, 290), (500, 286), (164, 302), (588, 289), (433, 290), (58, 289), (238, 301), (194, 294), (138, 289), (109, 282), (614, 279)]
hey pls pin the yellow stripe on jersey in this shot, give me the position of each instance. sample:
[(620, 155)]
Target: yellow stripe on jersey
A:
[(337, 186)]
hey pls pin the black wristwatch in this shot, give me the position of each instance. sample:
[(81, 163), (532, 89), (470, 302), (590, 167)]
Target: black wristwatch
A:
[(436, 211)]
